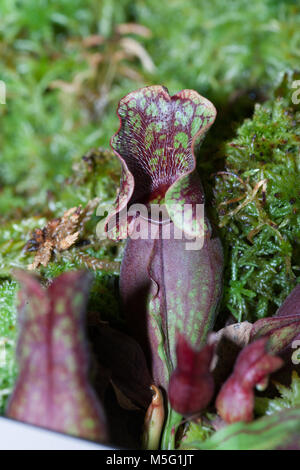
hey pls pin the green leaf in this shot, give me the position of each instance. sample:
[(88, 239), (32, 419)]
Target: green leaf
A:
[(278, 431), (289, 398)]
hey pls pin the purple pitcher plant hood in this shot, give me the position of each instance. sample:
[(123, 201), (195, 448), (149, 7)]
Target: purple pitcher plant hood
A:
[(235, 401), (267, 336), (191, 386), (52, 389), (164, 286)]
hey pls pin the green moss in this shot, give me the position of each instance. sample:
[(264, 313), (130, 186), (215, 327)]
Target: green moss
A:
[(13, 238), (97, 174), (194, 432), (289, 398), (276, 432), (8, 368), (258, 205), (217, 47)]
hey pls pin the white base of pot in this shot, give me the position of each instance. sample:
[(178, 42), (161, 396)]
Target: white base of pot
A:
[(21, 436)]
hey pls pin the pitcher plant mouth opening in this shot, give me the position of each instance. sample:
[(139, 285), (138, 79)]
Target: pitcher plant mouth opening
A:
[(155, 144)]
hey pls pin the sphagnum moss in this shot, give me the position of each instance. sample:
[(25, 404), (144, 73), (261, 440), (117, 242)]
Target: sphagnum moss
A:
[(8, 368), (258, 204)]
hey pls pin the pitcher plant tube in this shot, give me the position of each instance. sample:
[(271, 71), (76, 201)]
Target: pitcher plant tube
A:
[(167, 284), (52, 389)]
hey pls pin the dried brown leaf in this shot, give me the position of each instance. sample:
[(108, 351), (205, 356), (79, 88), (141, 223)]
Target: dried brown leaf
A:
[(238, 333), (134, 48), (133, 28), (59, 234), (94, 40)]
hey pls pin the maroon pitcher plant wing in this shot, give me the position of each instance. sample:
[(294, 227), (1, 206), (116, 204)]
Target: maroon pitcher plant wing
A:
[(284, 327), (52, 389)]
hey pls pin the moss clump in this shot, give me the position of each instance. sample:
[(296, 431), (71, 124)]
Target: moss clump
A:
[(13, 237), (258, 205), (97, 174), (8, 369), (198, 432)]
